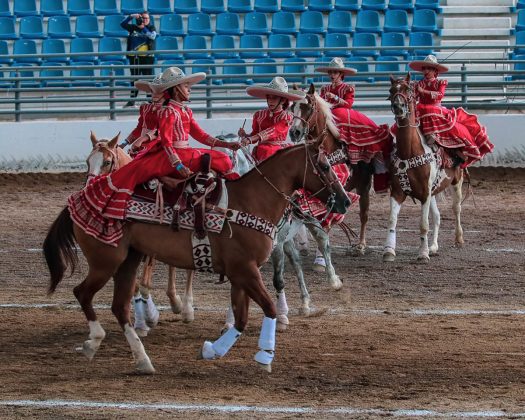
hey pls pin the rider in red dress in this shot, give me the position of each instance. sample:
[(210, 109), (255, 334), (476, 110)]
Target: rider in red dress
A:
[(270, 126), (452, 128), (100, 208), (366, 141)]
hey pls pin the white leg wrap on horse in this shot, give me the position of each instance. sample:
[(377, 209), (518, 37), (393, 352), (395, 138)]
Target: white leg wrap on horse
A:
[(319, 259), (151, 312), (221, 346), (230, 318), (391, 239), (96, 335), (266, 342), (282, 305), (139, 306)]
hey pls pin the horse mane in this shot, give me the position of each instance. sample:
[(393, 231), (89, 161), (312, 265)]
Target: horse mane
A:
[(326, 109)]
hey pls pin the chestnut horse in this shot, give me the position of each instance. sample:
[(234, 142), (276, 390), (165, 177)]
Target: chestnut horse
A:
[(416, 172), (258, 199), (314, 120)]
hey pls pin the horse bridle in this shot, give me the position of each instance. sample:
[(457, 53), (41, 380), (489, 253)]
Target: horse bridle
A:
[(113, 164), (307, 122), (403, 101)]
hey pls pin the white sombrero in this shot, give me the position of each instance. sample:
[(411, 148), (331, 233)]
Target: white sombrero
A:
[(147, 86), (336, 65), (429, 61), (174, 76), (277, 87)]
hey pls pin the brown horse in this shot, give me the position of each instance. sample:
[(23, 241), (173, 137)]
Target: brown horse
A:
[(314, 120), (416, 172), (257, 201), (104, 158)]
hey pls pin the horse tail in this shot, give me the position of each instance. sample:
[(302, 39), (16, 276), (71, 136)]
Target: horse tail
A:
[(470, 191), (59, 249)]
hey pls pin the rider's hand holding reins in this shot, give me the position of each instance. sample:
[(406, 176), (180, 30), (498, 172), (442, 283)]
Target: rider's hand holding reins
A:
[(241, 132)]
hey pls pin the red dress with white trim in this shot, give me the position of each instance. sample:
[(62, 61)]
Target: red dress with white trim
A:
[(452, 128), (147, 125), (100, 208), (272, 128)]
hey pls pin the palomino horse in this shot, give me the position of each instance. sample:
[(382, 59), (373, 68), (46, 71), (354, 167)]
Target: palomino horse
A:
[(314, 120), (106, 157), (416, 172), (257, 201)]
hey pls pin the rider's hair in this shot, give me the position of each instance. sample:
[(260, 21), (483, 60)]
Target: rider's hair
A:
[(285, 103)]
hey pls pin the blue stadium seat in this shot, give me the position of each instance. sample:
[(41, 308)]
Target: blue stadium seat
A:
[(53, 77), (311, 23), (293, 5), (159, 7), (4, 50), (407, 5), (322, 77), (294, 65), (5, 9), (112, 26), (270, 67), (337, 40), (180, 63), (306, 41), (83, 77), (78, 7), (55, 46), (32, 27), (368, 21), (240, 71), (520, 4), (111, 44), (128, 7), (52, 8), (224, 42), (171, 25), (520, 40), (284, 23), (185, 6), (25, 8), (204, 65), (266, 6), (252, 41), (520, 23), (393, 39), (28, 74), (256, 23), (7, 28), (348, 5), (84, 46), (425, 20), (87, 27), (379, 5), (428, 4), (421, 39), (106, 7), (396, 21), (4, 84), (391, 68), (240, 6), (280, 41), (364, 39), (195, 42), (340, 21), (118, 73), (520, 67), (26, 46), (199, 24), (320, 5), (59, 27), (362, 66), (169, 44), (227, 24), (212, 6)]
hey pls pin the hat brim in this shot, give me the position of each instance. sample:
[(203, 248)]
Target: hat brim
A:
[(418, 66), (190, 79), (144, 86), (261, 92), (345, 70)]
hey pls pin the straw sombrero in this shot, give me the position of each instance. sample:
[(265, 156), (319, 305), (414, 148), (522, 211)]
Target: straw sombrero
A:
[(146, 85), (336, 65), (429, 61), (277, 87), (172, 76)]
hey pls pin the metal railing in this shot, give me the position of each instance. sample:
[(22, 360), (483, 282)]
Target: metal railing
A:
[(481, 84)]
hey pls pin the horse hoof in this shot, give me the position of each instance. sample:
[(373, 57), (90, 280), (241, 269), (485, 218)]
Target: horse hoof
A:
[(281, 327), (176, 305), (207, 352), (336, 283), (318, 268), (433, 252), (144, 367), (389, 257), (459, 244), (88, 350), (142, 332), (304, 311), (188, 317), (423, 259), (266, 368)]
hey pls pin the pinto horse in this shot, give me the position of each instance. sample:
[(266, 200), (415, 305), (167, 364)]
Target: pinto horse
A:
[(314, 120), (257, 201), (416, 172)]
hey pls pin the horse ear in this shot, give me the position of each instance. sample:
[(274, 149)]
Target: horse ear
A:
[(93, 138), (407, 78), (392, 80), (113, 142), (311, 91)]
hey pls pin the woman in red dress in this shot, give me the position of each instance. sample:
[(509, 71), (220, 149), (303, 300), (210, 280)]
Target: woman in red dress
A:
[(100, 208), (454, 129), (366, 141), (270, 126)]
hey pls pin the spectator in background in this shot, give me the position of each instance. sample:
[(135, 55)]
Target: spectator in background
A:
[(141, 38)]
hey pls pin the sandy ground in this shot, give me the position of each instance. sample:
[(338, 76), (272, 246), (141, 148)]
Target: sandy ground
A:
[(446, 336)]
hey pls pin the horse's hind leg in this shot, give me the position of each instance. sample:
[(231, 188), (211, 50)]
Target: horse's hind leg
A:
[(423, 254), (146, 313), (364, 206), (323, 243), (123, 291), (188, 314), (295, 259), (277, 258), (389, 250), (436, 222), (171, 292), (456, 206)]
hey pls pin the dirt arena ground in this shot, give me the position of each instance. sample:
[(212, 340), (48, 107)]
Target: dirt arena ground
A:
[(444, 339)]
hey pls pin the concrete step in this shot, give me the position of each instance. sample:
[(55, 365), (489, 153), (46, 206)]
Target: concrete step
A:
[(473, 55), (475, 32), (509, 3), (475, 10), (476, 42), (477, 23)]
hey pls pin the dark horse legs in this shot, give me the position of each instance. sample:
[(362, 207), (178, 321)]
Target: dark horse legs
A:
[(361, 180)]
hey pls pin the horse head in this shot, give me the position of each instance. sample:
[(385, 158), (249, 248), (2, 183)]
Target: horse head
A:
[(105, 157), (242, 161), (401, 96)]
